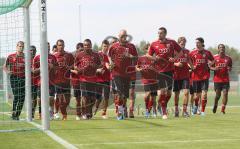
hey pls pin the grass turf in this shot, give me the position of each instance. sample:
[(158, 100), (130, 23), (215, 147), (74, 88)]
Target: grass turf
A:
[(211, 131)]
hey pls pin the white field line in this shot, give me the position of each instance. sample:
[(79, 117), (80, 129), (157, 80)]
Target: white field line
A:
[(55, 137), (159, 142), (48, 132)]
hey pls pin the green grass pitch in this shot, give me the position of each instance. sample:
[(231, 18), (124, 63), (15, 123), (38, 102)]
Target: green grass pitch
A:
[(212, 131)]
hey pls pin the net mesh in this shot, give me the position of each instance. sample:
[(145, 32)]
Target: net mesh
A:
[(11, 31)]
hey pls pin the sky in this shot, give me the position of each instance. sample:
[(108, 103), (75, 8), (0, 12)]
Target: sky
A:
[(217, 21)]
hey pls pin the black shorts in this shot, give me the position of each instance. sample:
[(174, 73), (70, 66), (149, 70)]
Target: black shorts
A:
[(132, 84), (165, 80), (88, 89), (199, 86), (122, 86), (191, 90), (221, 86), (77, 91), (52, 91), (34, 92), (103, 90), (63, 89), (178, 85), (152, 88)]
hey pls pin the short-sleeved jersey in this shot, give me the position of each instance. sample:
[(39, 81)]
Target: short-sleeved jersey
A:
[(164, 50), (16, 65), (200, 60), (224, 64)]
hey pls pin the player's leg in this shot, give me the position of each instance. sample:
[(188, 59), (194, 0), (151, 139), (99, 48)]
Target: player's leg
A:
[(197, 95), (132, 99), (204, 85), (153, 96), (106, 93), (185, 102), (176, 89), (146, 101), (21, 96), (185, 87), (218, 90), (225, 96), (51, 101), (77, 95), (13, 82), (66, 102), (99, 91)]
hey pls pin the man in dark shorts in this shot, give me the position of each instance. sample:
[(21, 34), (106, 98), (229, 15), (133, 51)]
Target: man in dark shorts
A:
[(52, 64), (103, 80), (65, 61), (75, 82), (146, 68), (15, 67), (165, 50), (120, 57), (222, 66), (87, 64), (201, 60), (181, 77)]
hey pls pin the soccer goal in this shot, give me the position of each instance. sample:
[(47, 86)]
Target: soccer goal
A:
[(17, 24)]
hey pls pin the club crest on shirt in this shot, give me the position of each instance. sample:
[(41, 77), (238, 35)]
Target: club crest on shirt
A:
[(204, 55), (185, 54)]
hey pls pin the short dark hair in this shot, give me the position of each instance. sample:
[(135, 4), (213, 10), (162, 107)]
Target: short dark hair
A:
[(221, 45), (88, 40), (105, 42), (60, 40), (79, 45), (32, 47), (200, 39), (163, 29), (54, 47)]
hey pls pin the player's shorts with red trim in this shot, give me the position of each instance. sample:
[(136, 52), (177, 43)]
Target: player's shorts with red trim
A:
[(199, 86), (221, 86), (181, 84)]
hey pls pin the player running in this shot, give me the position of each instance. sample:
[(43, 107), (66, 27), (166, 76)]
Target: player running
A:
[(65, 62), (222, 66), (121, 55), (146, 68), (52, 65), (181, 78), (75, 82), (165, 51), (15, 67), (201, 60), (103, 80), (87, 64)]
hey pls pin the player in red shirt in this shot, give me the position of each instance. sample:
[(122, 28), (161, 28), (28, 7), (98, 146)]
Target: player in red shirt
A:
[(15, 67), (87, 64), (165, 51), (65, 62), (75, 82), (148, 75), (201, 60), (103, 80), (222, 66), (121, 55), (34, 86), (181, 77), (52, 64)]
